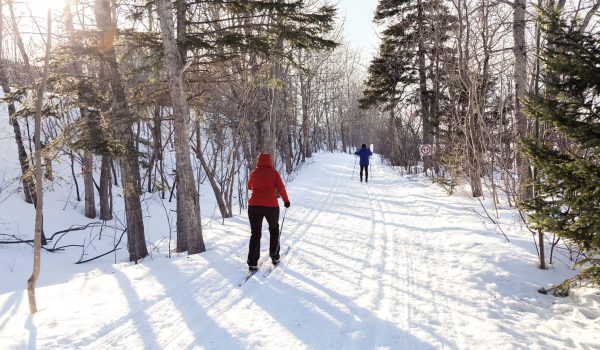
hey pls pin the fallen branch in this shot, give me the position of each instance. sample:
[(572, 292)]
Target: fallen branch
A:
[(74, 228), (18, 240), (29, 242), (70, 229), (111, 251)]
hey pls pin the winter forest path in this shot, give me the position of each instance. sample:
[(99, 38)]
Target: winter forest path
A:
[(392, 264)]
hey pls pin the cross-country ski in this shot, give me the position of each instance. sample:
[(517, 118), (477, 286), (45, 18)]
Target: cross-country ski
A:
[(271, 268)]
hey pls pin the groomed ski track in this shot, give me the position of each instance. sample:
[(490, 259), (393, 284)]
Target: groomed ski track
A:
[(392, 264)]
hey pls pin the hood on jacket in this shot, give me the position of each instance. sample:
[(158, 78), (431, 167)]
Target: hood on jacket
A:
[(264, 161)]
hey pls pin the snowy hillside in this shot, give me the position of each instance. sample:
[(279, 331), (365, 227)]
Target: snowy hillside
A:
[(394, 263)]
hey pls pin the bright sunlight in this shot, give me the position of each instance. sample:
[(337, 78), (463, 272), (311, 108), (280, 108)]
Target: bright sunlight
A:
[(41, 6)]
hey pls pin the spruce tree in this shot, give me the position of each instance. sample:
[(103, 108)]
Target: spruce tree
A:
[(388, 76), (567, 200), (409, 65)]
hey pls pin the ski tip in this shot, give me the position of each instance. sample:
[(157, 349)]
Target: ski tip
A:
[(249, 275), (268, 272)]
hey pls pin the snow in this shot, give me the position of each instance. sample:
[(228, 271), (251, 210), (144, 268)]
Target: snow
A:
[(392, 264)]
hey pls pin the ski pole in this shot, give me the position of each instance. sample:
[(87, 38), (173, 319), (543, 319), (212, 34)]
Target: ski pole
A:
[(355, 159), (282, 221), (281, 230)]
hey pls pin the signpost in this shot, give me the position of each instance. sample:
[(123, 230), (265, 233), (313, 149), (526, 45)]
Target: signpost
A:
[(425, 150)]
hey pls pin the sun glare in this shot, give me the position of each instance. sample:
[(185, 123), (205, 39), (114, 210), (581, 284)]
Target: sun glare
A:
[(42, 5)]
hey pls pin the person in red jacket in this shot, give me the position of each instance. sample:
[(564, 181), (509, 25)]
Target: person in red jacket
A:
[(264, 183)]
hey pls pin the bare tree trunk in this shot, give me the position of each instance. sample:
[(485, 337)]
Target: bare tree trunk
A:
[(288, 151), (181, 8), (38, 175), (122, 121), (30, 74), (423, 93), (231, 179), (156, 147), (188, 206), (219, 195), (19, 40), (436, 95), (306, 140), (275, 105), (28, 185), (520, 76), (72, 158), (263, 113), (88, 184), (105, 189)]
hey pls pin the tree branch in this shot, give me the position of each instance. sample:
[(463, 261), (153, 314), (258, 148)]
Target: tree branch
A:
[(101, 255)]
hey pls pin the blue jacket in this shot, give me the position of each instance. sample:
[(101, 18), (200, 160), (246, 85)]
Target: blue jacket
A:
[(364, 154)]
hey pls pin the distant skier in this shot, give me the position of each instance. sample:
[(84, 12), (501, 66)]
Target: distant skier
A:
[(264, 182), (364, 153)]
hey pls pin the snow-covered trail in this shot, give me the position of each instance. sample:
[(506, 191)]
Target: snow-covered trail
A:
[(394, 263)]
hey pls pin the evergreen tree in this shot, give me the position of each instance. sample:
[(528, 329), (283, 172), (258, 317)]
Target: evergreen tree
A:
[(389, 74), (567, 200), (409, 64)]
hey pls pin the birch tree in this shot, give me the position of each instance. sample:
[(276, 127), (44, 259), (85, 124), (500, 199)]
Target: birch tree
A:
[(188, 206), (39, 208), (122, 121)]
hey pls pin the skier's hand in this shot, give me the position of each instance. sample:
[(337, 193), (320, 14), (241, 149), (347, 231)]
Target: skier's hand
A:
[(286, 204)]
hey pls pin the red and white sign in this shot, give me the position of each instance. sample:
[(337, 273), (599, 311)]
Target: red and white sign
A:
[(425, 150)]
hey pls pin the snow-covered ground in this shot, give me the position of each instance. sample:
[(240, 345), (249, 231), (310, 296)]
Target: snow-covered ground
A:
[(395, 263)]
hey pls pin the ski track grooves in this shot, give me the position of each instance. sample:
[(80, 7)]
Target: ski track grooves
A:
[(371, 266), (163, 305), (426, 251), (384, 258), (392, 265), (307, 222), (397, 294), (375, 276)]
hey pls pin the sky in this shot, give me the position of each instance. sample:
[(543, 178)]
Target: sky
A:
[(359, 28), (357, 16)]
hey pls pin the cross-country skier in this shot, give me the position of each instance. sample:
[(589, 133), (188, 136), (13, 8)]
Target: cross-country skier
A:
[(364, 153), (264, 182)]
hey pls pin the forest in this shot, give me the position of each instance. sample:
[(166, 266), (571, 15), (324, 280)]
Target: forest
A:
[(158, 97)]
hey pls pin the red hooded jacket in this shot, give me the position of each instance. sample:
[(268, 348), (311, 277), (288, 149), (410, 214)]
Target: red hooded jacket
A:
[(264, 180)]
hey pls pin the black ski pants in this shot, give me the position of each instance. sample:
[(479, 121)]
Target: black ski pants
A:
[(256, 215), (366, 169)]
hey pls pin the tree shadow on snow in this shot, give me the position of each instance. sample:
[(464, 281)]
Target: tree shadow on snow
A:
[(178, 293), (359, 328), (32, 332), (10, 306), (432, 302), (182, 291), (316, 321), (115, 332)]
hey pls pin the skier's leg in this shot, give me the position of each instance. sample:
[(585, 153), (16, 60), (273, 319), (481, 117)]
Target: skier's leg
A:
[(366, 173), (272, 216), (255, 215), (361, 172)]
